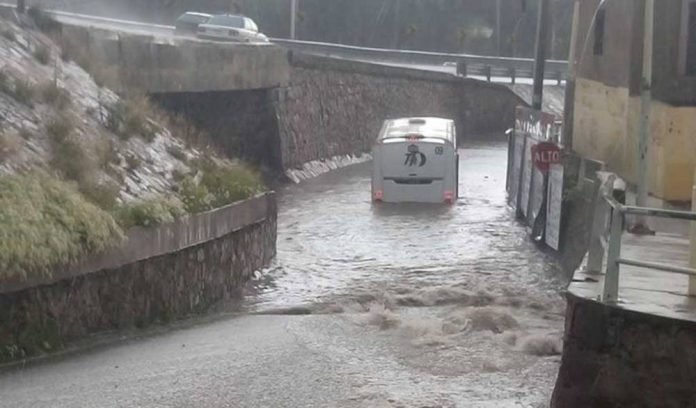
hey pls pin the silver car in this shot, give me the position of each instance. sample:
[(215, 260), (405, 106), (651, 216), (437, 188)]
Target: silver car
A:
[(229, 27), (188, 22)]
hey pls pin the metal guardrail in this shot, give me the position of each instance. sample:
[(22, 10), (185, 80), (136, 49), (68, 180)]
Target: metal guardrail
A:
[(607, 232), (467, 64)]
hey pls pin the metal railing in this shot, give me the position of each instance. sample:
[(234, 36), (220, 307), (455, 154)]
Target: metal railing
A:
[(607, 233), (467, 64)]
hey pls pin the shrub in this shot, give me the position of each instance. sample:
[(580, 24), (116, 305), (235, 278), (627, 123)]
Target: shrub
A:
[(43, 20), (231, 184), (42, 54), (102, 194), (130, 117), (195, 196), (9, 145), (45, 222), (23, 92), (69, 156), (149, 213), (55, 96), (60, 128), (107, 153), (219, 186)]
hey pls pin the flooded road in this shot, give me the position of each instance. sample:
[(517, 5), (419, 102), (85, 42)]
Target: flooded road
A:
[(333, 243), (394, 307), (459, 293)]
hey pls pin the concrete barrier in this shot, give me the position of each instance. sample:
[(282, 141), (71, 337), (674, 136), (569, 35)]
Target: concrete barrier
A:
[(150, 64), (615, 357)]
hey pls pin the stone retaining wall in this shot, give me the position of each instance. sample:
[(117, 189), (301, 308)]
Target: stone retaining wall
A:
[(336, 107), (160, 274)]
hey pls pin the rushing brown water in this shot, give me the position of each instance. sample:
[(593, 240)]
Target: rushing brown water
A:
[(459, 294)]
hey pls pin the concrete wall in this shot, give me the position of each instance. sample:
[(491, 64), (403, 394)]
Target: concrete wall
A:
[(148, 64), (606, 129), (159, 274), (242, 123), (616, 66), (336, 107), (618, 358), (333, 109)]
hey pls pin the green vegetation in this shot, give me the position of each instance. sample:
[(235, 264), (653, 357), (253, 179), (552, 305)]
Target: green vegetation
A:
[(69, 156), (103, 194), (219, 186), (42, 54), (9, 145), (55, 96), (75, 163), (130, 117), (149, 213), (21, 91), (45, 222)]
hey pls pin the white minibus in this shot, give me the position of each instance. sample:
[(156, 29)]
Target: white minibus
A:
[(416, 160)]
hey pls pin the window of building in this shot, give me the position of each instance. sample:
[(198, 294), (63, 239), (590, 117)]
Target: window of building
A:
[(599, 32), (690, 39)]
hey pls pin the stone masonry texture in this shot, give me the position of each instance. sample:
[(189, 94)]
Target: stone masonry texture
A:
[(158, 289), (335, 107)]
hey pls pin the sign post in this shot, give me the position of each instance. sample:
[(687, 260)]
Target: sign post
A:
[(544, 154)]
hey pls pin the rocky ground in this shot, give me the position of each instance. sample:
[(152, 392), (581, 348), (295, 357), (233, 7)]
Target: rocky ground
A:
[(50, 105)]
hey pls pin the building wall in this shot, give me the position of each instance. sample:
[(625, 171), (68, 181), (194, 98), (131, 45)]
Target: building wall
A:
[(616, 66), (606, 128), (607, 97)]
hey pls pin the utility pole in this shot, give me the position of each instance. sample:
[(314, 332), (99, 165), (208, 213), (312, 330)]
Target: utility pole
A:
[(569, 104), (540, 57), (645, 101), (498, 33), (293, 19)]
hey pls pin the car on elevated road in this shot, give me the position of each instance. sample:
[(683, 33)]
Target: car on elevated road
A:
[(230, 27), (188, 22)]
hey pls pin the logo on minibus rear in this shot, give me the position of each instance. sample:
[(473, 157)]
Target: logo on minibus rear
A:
[(414, 157)]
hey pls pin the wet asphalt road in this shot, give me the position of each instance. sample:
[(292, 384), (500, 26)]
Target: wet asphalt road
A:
[(409, 307)]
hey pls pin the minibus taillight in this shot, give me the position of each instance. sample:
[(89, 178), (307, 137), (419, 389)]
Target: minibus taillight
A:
[(379, 195), (449, 197)]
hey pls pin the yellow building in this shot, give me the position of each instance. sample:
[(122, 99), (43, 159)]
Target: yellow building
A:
[(608, 66)]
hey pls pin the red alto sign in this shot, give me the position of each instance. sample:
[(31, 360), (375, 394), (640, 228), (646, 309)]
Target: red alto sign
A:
[(545, 154)]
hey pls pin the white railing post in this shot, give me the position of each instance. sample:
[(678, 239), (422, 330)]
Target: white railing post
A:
[(692, 238), (610, 292), (595, 257)]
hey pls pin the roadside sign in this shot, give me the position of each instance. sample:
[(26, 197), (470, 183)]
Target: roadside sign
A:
[(545, 154)]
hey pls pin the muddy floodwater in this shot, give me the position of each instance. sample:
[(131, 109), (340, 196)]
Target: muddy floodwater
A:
[(364, 307), (455, 299)]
